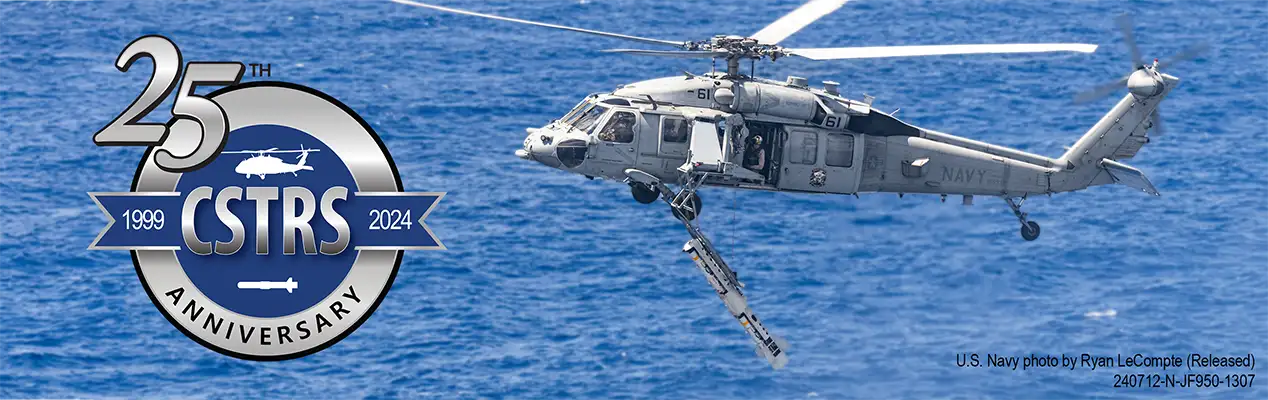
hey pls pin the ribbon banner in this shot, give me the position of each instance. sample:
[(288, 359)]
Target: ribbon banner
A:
[(167, 220)]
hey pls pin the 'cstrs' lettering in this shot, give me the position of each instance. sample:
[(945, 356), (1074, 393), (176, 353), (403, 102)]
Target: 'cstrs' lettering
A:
[(300, 206)]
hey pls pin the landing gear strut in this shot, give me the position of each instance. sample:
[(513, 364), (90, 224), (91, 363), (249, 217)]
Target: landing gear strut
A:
[(1029, 229)]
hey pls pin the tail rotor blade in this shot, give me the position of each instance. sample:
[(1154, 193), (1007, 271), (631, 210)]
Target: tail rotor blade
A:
[(1188, 53), (1156, 120), (1129, 38), (1100, 91)]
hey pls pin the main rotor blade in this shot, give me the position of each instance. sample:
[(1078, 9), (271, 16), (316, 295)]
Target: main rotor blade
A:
[(1188, 53), (840, 53), (545, 25), (792, 22), (1101, 90), (670, 53), (1124, 22)]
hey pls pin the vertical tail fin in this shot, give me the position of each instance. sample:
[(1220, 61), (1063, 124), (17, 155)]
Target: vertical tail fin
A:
[(1123, 131), (1119, 135)]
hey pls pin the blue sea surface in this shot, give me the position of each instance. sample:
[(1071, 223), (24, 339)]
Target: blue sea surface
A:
[(555, 286)]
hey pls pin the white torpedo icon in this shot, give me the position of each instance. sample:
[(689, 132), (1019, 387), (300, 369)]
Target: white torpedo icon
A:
[(290, 285)]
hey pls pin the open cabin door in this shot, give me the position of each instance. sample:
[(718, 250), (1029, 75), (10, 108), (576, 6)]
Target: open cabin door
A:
[(705, 151)]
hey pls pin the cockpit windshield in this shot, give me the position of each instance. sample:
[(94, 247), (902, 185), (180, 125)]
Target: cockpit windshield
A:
[(586, 120), (580, 106)]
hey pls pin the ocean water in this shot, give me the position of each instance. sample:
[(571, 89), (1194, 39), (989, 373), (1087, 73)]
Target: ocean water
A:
[(555, 286)]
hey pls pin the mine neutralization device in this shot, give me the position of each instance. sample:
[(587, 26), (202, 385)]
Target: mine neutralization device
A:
[(728, 129)]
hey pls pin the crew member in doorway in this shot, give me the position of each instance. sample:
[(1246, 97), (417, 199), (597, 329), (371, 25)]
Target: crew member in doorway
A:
[(755, 155)]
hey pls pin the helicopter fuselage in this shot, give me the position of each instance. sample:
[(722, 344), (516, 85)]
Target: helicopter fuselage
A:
[(264, 165), (813, 140)]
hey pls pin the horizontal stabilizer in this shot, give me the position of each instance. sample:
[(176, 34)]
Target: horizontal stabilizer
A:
[(1128, 176)]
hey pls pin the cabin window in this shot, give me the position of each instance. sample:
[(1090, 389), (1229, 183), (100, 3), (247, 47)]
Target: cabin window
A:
[(674, 130), (803, 147), (620, 128), (840, 151), (617, 102)]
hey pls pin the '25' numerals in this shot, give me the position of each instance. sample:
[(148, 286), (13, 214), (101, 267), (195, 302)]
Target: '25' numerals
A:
[(211, 126)]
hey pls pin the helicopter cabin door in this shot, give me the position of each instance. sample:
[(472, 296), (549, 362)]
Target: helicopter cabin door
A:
[(616, 138), (819, 161)]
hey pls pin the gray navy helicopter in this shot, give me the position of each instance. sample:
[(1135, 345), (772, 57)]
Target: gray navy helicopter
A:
[(727, 129)]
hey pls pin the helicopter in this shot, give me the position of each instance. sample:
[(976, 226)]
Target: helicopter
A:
[(727, 129), (262, 164)]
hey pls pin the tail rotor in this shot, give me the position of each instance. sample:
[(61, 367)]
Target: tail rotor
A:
[(303, 157), (1145, 79)]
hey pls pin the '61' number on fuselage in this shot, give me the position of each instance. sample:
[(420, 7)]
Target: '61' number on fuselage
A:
[(209, 123)]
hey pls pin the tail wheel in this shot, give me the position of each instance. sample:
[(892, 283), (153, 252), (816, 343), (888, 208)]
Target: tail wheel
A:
[(691, 214), (1030, 231), (644, 194)]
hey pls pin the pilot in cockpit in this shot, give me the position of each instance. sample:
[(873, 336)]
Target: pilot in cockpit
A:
[(620, 129)]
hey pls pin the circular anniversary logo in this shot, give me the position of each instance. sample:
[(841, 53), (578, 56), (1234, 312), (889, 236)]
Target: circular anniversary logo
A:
[(285, 240)]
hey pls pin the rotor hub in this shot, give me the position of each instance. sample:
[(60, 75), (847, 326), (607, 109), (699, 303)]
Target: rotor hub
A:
[(1145, 83), (738, 47)]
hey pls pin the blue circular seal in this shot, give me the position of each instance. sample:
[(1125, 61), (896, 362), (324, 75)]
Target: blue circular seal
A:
[(218, 277)]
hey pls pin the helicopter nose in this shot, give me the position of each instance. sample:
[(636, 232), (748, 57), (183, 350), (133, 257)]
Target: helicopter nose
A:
[(539, 146)]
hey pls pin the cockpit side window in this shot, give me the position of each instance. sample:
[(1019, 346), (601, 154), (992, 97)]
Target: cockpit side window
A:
[(674, 130), (620, 128)]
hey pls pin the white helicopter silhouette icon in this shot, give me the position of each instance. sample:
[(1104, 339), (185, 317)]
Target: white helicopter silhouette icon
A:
[(262, 163)]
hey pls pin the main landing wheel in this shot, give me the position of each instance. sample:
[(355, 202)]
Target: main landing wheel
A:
[(1030, 231), (644, 194), (691, 214)]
